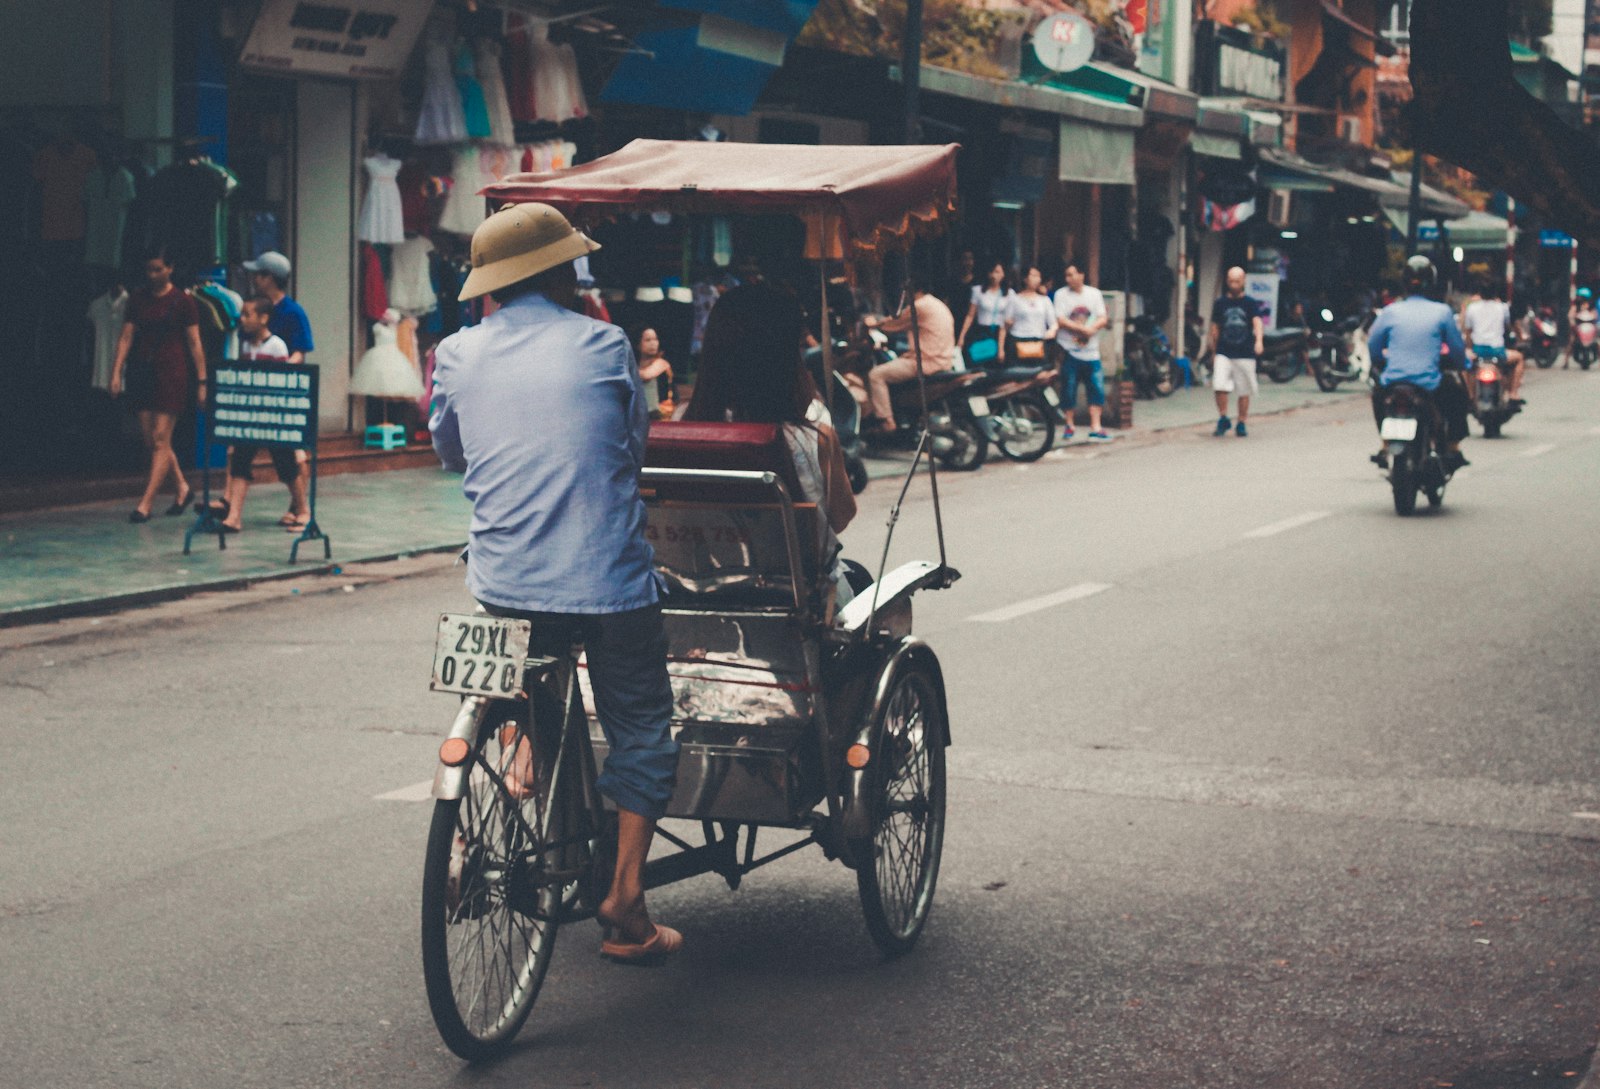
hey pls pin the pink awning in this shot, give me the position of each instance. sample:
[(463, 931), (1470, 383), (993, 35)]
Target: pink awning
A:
[(870, 196)]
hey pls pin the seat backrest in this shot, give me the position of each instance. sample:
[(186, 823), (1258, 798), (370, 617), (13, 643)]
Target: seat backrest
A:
[(723, 540)]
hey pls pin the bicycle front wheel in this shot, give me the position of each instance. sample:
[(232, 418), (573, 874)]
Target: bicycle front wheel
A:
[(490, 903)]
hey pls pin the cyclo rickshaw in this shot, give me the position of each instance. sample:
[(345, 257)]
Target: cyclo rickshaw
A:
[(790, 714)]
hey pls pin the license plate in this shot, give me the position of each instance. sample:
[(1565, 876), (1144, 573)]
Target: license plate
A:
[(1052, 398), (1399, 429), (480, 656), (979, 406)]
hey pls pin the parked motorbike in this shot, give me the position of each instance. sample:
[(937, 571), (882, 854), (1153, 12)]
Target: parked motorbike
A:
[(846, 413), (1023, 409), (1585, 342), (1147, 357), (1285, 352), (957, 437), (1340, 349), (1544, 337), (1413, 437), (1492, 405)]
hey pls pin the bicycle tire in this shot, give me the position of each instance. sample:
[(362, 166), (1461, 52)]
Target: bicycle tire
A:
[(482, 867)]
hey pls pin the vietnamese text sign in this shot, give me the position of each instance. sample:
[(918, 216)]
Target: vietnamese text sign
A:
[(357, 39), (264, 404)]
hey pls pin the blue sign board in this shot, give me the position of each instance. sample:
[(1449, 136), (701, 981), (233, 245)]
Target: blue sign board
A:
[(1556, 240)]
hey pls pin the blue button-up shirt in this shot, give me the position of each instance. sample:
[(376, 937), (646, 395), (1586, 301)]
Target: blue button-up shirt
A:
[(1409, 335), (543, 410)]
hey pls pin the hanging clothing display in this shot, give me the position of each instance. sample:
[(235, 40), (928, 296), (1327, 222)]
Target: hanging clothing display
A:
[(555, 89), (501, 129), (61, 169), (410, 283), (418, 189), (107, 192), (185, 207), (463, 208), (105, 316), (441, 120), (384, 370), (374, 292), (472, 104), (496, 163), (218, 308), (516, 61), (381, 217)]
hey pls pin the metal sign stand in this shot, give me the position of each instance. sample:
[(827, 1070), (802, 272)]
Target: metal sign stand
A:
[(312, 532), (206, 520)]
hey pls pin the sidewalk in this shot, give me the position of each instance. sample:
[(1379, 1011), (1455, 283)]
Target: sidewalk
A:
[(88, 558)]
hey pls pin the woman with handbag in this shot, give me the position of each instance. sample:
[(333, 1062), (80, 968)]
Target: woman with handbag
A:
[(1030, 320), (986, 313)]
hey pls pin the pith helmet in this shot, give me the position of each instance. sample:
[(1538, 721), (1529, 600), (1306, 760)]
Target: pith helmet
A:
[(521, 241)]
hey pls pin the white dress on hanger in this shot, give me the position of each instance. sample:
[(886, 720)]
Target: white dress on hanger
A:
[(105, 314), (381, 219), (384, 370), (410, 286), (463, 208), (502, 130), (441, 120), (557, 91)]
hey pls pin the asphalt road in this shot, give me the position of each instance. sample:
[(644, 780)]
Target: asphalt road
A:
[(1255, 784)]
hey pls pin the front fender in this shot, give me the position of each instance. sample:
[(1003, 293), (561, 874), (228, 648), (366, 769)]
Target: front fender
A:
[(856, 813), (451, 783)]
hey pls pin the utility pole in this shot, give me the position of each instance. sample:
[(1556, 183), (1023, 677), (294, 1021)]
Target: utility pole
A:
[(911, 70), (1414, 206)]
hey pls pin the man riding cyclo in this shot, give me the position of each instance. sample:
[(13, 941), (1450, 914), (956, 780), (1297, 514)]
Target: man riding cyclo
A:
[(1411, 342)]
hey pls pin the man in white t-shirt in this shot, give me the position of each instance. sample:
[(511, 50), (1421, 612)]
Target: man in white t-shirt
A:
[(1484, 321), (1080, 315)]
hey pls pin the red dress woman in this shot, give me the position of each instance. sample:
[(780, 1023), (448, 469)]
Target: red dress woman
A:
[(160, 340)]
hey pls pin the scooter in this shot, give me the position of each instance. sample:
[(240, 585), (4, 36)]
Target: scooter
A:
[(1023, 409), (1412, 434), (956, 434), (1341, 349), (1585, 342), (1544, 337), (846, 413), (1492, 405), (1285, 352), (1148, 357)]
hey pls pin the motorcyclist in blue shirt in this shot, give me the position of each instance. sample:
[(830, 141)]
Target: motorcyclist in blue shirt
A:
[(1413, 341)]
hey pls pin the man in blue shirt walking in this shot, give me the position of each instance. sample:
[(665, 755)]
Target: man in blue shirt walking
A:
[(1408, 340), (543, 411)]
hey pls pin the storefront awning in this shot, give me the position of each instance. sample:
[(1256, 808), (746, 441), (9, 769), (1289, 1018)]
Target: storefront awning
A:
[(1159, 98), (1214, 146), (870, 194), (1028, 96), (1098, 154), (1223, 118), (1283, 170), (1474, 231)]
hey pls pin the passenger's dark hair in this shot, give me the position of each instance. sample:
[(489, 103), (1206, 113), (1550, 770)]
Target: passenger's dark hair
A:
[(750, 367), (157, 252)]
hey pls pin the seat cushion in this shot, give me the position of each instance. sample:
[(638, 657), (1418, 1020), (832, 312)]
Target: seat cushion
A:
[(751, 447)]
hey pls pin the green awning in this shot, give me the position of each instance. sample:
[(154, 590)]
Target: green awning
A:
[(1474, 231)]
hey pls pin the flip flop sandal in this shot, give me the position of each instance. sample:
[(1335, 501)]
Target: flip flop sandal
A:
[(290, 520), (295, 527), (662, 944)]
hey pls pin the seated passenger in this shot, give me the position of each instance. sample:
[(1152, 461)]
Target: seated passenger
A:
[(751, 371)]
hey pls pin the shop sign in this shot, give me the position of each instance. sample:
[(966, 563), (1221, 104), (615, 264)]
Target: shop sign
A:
[(264, 404), (1556, 240), (1263, 288), (1234, 66), (366, 39), (1064, 42)]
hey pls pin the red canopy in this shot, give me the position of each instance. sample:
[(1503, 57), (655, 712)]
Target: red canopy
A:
[(870, 195)]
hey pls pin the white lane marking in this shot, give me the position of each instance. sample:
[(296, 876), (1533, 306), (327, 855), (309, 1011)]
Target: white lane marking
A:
[(416, 792), (1594, 430), (1535, 451), (1046, 601), (1289, 523)]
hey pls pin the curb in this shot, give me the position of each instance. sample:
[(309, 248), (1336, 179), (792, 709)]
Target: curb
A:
[(62, 610)]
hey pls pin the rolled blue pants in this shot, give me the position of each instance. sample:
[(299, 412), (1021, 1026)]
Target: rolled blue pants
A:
[(627, 655), (1090, 371)]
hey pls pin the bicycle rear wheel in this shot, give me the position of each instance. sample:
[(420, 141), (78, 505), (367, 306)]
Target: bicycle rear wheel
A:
[(490, 902)]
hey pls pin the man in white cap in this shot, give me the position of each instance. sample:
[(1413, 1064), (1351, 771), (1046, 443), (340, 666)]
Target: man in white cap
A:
[(543, 410)]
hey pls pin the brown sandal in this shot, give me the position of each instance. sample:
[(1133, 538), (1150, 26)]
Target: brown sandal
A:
[(662, 944)]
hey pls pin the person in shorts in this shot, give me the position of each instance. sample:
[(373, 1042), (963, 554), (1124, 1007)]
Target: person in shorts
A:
[(1080, 315), (1484, 321), (1237, 330), (258, 343)]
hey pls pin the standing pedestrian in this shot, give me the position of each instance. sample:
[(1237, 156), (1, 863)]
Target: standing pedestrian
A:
[(160, 340), (543, 410), (1237, 330), (1030, 320), (986, 312), (269, 275), (1080, 316)]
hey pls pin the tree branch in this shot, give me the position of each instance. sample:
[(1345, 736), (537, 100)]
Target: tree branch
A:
[(1468, 109)]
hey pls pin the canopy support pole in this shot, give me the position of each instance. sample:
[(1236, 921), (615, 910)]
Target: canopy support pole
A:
[(825, 333)]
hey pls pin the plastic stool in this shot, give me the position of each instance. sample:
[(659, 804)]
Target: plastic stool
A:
[(1181, 363), (385, 436)]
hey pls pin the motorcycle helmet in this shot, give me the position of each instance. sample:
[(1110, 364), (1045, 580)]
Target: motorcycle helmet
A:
[(1585, 294), (1420, 273)]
